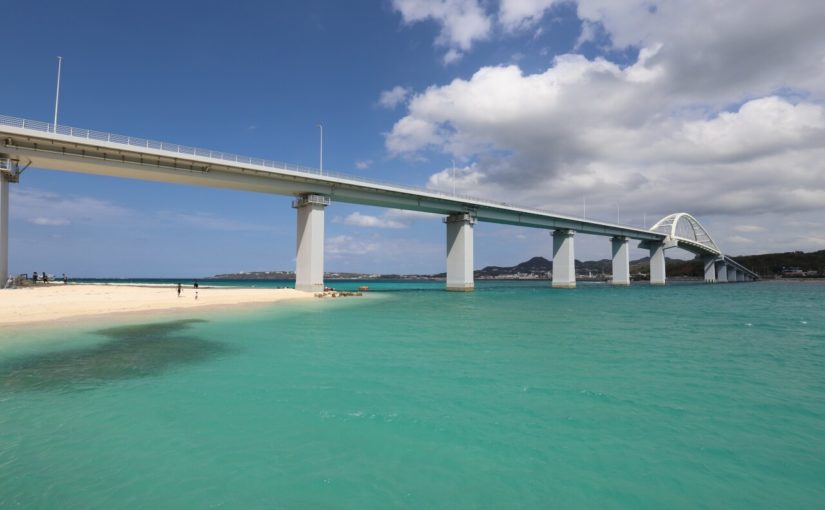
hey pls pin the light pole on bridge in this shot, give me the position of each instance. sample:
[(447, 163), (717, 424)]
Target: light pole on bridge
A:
[(57, 93), (453, 177), (321, 164)]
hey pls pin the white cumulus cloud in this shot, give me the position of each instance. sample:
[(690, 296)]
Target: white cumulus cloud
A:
[(364, 220), (463, 22), (515, 14), (393, 97), (721, 114)]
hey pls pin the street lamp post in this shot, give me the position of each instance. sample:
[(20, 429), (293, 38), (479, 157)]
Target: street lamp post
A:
[(57, 93), (321, 156), (453, 177)]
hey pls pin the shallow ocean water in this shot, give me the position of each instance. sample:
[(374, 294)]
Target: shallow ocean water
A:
[(514, 396)]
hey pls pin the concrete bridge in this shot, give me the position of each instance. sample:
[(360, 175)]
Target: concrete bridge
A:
[(25, 143)]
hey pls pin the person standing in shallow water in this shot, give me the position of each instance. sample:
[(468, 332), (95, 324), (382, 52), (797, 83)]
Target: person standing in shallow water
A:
[(34, 277), (178, 290)]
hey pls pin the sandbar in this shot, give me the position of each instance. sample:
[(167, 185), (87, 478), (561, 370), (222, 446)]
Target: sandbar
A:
[(53, 302)]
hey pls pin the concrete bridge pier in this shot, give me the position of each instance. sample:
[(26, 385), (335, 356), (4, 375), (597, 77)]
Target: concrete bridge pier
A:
[(621, 261), (710, 268), (309, 257), (564, 259), (4, 229), (460, 252), (721, 271), (731, 274), (740, 275), (657, 263)]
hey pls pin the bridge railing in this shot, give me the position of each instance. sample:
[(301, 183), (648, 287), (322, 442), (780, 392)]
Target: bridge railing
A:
[(88, 134), (131, 141)]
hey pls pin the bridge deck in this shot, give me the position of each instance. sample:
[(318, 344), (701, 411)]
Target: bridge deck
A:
[(81, 150)]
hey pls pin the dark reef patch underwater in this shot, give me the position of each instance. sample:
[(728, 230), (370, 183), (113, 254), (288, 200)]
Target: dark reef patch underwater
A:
[(130, 352)]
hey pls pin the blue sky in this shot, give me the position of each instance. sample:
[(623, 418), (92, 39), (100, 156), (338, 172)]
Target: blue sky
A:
[(538, 102)]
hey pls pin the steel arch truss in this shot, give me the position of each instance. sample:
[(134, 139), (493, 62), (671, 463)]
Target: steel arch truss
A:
[(684, 228)]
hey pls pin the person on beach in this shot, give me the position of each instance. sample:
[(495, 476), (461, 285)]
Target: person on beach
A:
[(179, 290), (34, 277), (65, 279), (196, 284), (45, 278)]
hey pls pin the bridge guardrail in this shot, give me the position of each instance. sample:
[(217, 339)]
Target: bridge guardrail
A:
[(131, 141), (88, 134)]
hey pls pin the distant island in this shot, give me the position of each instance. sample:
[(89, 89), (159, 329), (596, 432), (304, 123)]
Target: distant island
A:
[(794, 264)]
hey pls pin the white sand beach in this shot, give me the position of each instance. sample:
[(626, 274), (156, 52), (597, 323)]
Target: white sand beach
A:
[(45, 303)]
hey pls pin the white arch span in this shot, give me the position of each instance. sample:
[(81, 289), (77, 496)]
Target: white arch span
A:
[(686, 231)]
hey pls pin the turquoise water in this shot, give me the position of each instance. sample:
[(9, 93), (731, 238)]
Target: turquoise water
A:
[(515, 396)]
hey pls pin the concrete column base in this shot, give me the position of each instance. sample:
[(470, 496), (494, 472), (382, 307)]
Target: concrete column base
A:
[(657, 263), (721, 272), (309, 257), (564, 259), (710, 269), (317, 287), (460, 252), (621, 262), (4, 230)]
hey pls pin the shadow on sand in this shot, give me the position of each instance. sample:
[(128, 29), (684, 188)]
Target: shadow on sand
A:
[(131, 352)]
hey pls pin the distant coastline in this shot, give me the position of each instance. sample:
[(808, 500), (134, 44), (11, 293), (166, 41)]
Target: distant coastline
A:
[(788, 265)]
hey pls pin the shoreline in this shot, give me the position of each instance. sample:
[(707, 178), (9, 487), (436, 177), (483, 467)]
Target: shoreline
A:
[(58, 303)]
